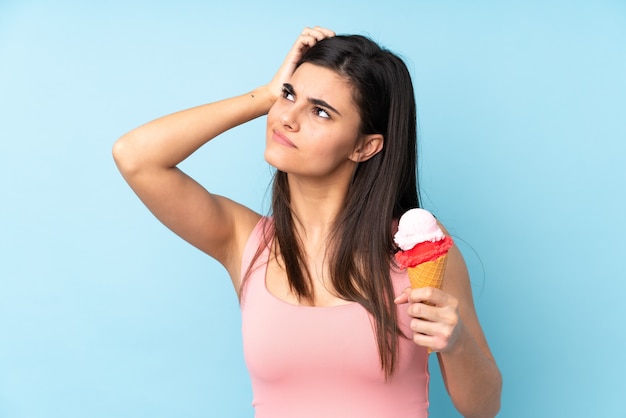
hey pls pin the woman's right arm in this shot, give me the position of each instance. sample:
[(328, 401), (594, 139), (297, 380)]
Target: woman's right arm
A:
[(148, 157)]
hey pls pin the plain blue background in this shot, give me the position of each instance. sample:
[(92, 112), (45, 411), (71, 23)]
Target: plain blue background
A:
[(105, 313)]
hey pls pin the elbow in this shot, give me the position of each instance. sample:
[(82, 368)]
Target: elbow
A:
[(488, 409), (125, 156), (489, 405), (118, 151)]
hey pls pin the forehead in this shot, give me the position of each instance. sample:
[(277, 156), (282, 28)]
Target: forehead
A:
[(315, 82)]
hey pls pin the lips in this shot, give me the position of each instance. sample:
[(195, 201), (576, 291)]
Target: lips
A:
[(281, 139)]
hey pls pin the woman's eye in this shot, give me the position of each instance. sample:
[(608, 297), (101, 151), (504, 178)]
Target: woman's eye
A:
[(322, 113), (288, 95)]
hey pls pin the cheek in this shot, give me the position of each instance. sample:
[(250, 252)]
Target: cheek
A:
[(272, 153), (271, 112), (274, 112), (338, 146), (271, 120)]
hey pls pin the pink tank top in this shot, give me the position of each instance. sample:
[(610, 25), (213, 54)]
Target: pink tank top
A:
[(322, 362)]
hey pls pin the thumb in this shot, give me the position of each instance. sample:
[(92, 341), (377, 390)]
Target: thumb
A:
[(402, 297)]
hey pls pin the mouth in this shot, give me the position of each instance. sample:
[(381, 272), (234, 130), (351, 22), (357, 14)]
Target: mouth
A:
[(281, 139)]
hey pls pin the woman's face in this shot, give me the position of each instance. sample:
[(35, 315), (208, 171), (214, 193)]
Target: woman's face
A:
[(313, 128)]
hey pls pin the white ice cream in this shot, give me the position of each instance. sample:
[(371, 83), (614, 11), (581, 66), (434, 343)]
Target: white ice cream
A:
[(415, 226)]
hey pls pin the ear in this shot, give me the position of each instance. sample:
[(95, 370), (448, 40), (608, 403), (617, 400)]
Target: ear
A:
[(367, 147)]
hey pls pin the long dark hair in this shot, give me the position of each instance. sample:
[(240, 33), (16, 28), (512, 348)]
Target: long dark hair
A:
[(383, 188)]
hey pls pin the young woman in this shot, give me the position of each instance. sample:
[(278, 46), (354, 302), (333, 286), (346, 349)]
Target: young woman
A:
[(331, 327)]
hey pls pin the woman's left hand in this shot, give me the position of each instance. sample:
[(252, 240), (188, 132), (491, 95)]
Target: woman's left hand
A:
[(435, 319), (445, 320)]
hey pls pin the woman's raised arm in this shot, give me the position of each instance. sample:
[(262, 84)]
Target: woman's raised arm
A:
[(148, 157)]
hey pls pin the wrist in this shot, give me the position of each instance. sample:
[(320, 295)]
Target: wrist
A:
[(265, 97), (461, 342)]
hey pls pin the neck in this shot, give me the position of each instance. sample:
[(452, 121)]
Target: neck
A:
[(316, 206)]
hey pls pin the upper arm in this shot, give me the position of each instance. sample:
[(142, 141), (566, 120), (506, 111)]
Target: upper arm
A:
[(214, 224)]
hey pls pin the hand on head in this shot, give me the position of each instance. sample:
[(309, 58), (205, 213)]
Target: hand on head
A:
[(307, 38)]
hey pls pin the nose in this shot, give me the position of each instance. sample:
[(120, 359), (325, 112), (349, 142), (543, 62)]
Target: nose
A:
[(289, 118)]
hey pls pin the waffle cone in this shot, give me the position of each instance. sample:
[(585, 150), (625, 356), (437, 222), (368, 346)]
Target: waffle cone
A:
[(428, 274)]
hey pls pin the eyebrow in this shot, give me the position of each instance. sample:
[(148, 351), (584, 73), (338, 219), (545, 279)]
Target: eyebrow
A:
[(317, 102)]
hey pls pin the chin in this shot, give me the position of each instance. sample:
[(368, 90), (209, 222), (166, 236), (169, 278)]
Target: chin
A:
[(272, 159)]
